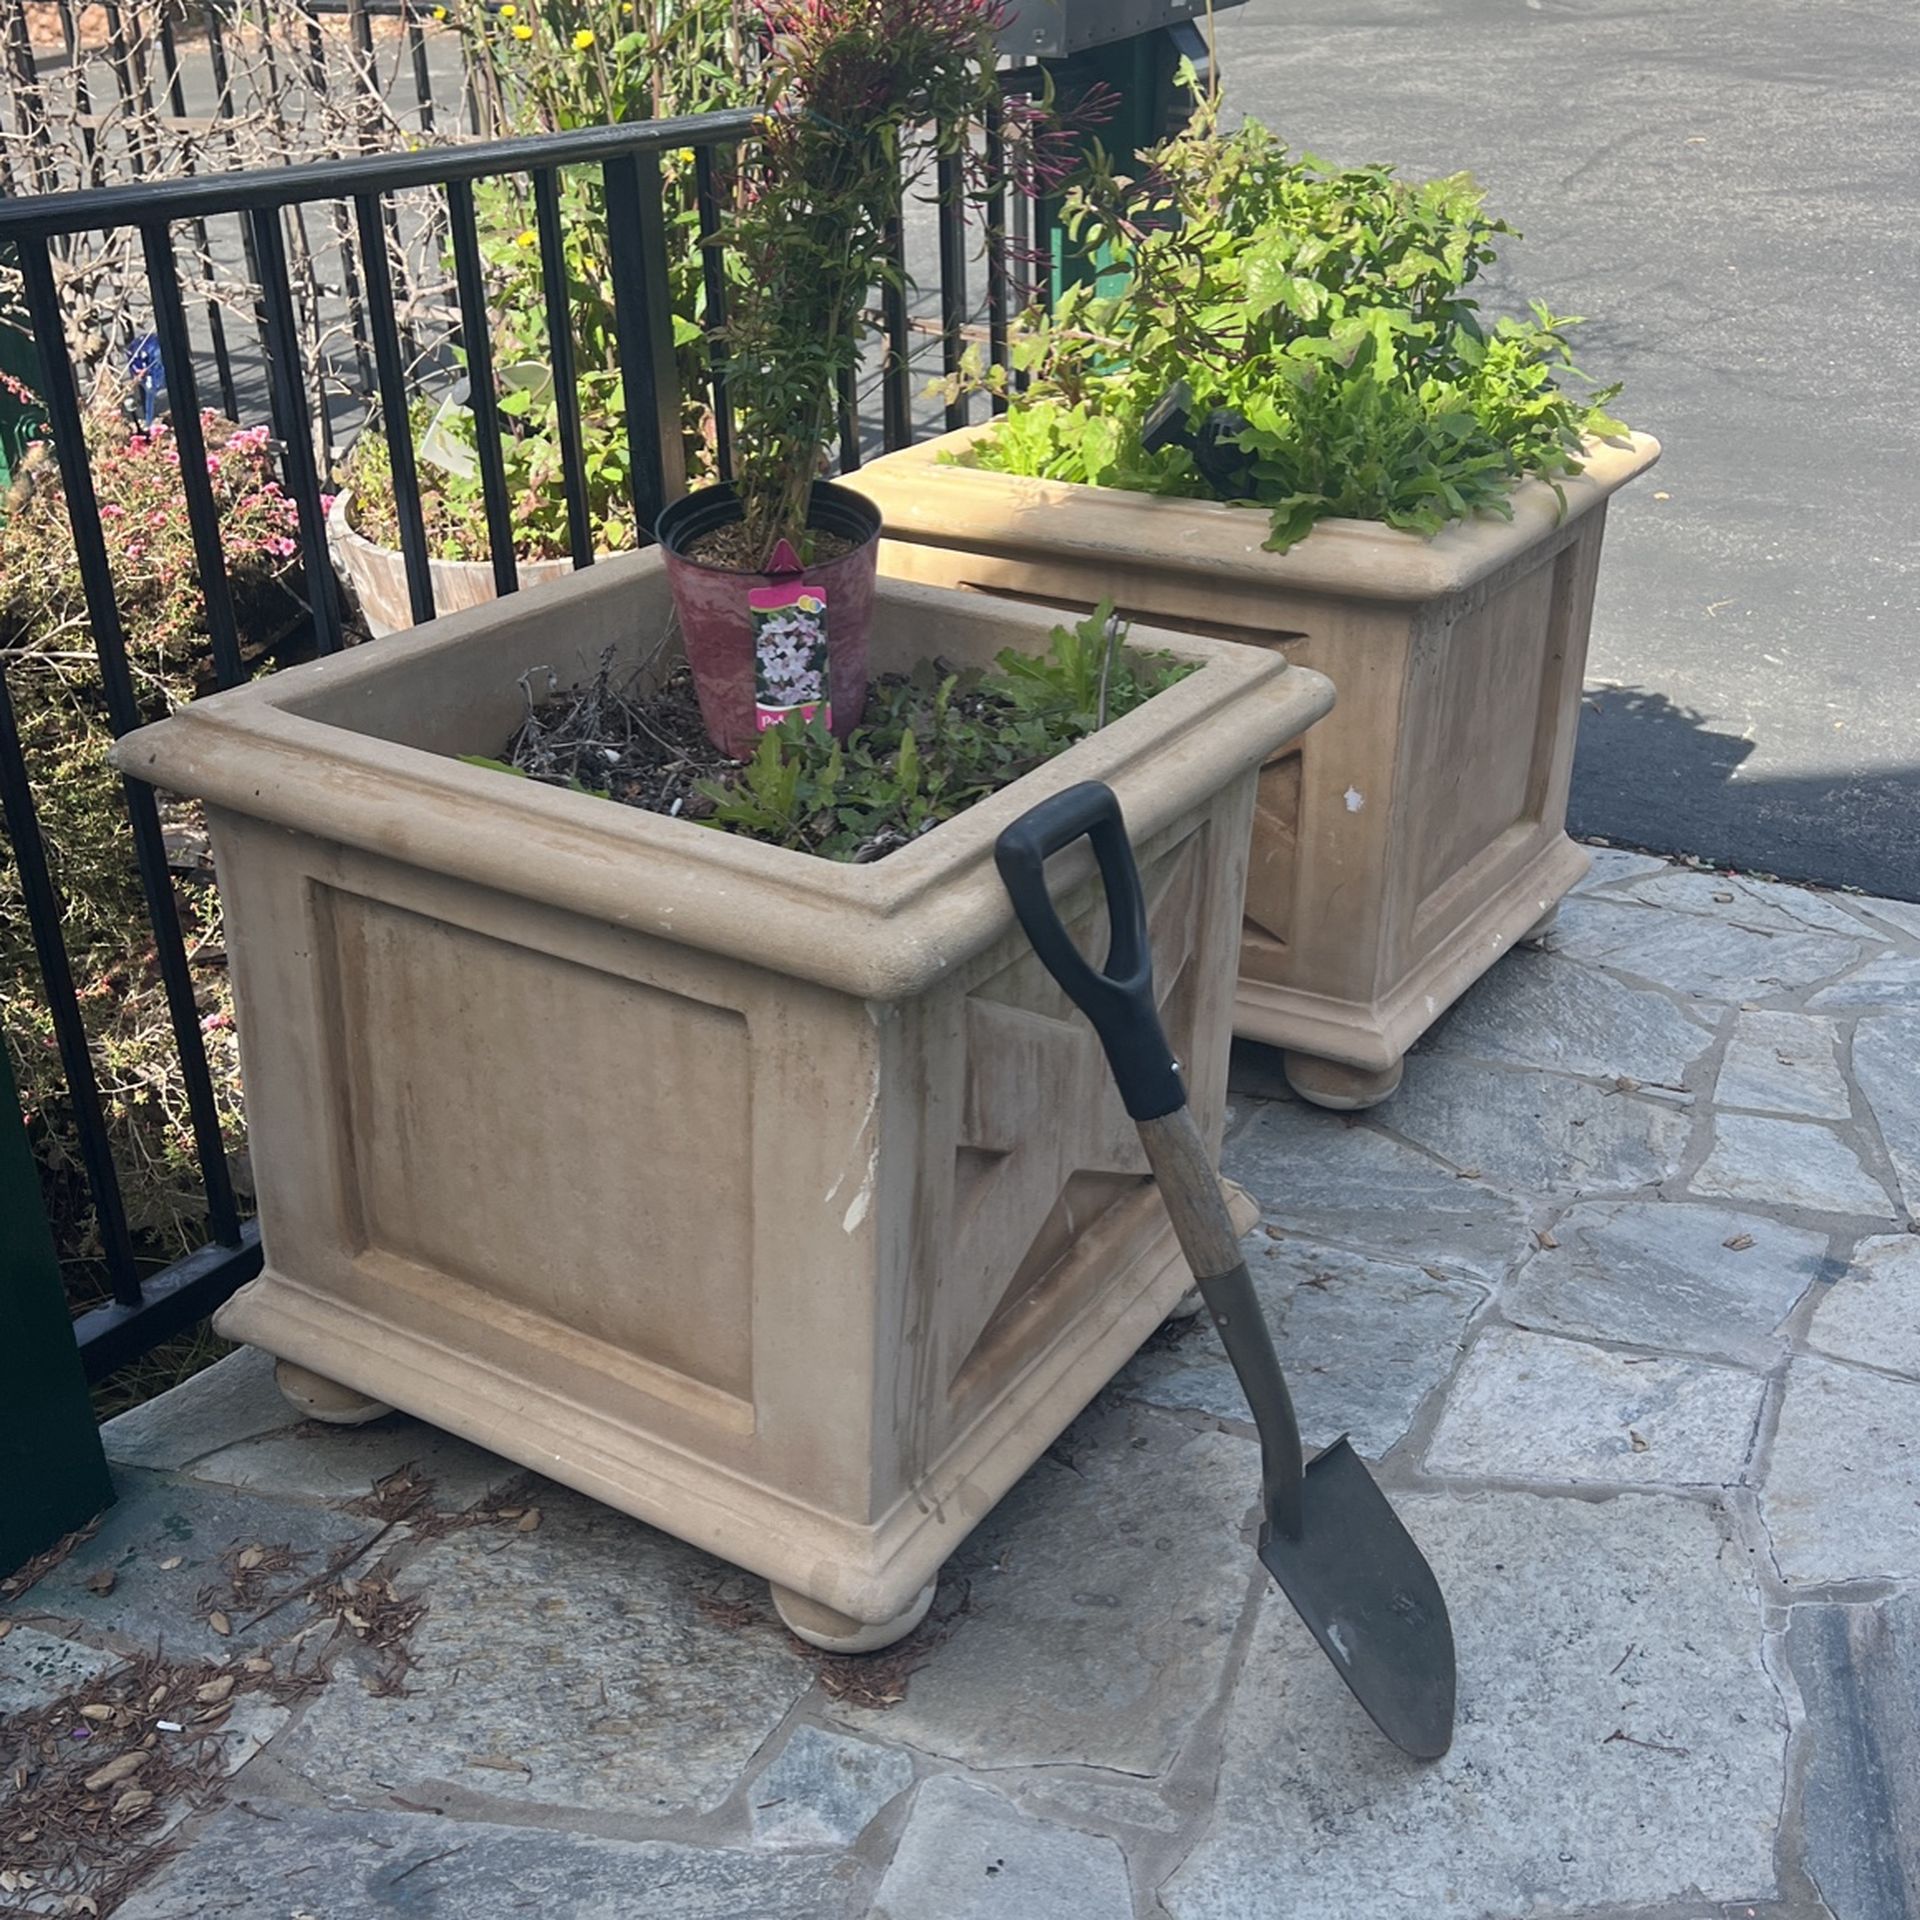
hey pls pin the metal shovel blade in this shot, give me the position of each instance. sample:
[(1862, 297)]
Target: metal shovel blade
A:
[(1355, 1576)]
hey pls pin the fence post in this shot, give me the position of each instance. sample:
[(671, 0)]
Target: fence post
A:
[(53, 1474)]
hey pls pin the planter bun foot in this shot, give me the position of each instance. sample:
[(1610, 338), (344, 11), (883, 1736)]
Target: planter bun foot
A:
[(315, 1397), (1189, 1304), (1336, 1085), (1544, 925), (835, 1632)]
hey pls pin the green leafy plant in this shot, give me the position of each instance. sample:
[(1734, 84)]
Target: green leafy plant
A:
[(551, 66), (934, 743), (1328, 314)]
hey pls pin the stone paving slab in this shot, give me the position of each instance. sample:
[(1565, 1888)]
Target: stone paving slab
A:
[(1889, 980), (1527, 1406), (1536, 1132), (1103, 1594), (1784, 1063), (968, 1854), (1903, 914), (575, 1665), (229, 1425), (1790, 1163), (36, 1669), (1612, 867), (167, 1546), (1691, 1279), (1362, 1341), (1767, 906), (1707, 959), (1540, 1010), (1661, 1342), (1884, 1051), (1347, 1184), (1872, 1312), (1583, 1629), (1858, 1670), (1839, 1499), (283, 1862), (825, 1790)]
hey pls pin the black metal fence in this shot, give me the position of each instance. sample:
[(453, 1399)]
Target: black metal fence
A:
[(147, 1308)]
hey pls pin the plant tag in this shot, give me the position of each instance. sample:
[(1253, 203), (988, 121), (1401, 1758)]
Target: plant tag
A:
[(789, 653)]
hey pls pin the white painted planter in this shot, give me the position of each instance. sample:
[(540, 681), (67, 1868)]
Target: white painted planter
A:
[(378, 577)]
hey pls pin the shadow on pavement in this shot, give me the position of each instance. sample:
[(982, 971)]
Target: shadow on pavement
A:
[(1651, 773)]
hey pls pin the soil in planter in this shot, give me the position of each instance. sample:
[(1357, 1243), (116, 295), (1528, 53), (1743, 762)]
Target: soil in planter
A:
[(727, 550), (932, 744)]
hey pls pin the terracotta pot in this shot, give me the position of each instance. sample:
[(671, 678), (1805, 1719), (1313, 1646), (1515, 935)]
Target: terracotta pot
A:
[(1405, 844), (716, 625), (378, 577), (784, 1203)]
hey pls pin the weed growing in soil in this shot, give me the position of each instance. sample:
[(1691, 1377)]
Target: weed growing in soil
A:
[(933, 743)]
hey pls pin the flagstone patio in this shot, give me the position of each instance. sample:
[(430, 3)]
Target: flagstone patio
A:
[(1621, 1291)]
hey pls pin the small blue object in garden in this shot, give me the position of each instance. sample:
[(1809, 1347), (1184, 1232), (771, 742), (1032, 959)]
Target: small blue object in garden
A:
[(149, 374)]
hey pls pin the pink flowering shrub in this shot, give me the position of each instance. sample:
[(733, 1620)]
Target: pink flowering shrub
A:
[(47, 655)]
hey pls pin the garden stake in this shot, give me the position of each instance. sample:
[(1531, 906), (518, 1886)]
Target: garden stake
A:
[(1328, 1534)]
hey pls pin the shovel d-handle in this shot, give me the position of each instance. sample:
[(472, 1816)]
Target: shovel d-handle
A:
[(1118, 998)]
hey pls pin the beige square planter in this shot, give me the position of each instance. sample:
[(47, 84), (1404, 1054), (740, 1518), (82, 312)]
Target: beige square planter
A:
[(782, 1203), (1411, 838)]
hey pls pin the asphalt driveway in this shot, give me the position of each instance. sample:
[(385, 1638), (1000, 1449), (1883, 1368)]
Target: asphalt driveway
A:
[(1732, 194)]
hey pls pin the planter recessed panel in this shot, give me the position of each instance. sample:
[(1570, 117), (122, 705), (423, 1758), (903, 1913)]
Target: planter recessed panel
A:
[(1414, 836), (783, 1203)]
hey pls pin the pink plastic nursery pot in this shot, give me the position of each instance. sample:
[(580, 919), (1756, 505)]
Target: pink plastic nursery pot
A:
[(717, 625)]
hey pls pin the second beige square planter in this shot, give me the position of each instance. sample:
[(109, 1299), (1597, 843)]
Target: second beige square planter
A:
[(1412, 837), (785, 1204)]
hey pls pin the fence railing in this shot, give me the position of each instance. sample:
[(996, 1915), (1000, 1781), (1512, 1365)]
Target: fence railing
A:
[(146, 1308)]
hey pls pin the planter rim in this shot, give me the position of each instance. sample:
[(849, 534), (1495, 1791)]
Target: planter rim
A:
[(883, 931), (929, 499)]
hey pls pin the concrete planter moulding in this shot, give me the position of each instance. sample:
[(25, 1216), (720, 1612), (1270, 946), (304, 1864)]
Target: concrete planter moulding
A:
[(782, 1203), (1405, 844)]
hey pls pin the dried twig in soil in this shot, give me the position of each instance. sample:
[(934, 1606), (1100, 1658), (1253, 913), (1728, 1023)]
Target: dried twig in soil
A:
[(635, 741)]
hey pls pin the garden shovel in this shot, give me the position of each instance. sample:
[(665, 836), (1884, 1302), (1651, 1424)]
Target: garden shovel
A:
[(1328, 1534)]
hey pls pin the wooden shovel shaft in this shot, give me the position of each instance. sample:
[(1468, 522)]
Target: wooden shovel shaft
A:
[(1191, 1190)]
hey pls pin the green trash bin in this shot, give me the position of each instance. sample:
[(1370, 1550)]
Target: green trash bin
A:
[(53, 1473), (1133, 48)]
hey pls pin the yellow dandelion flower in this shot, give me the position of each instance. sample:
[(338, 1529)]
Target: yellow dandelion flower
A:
[(507, 12), (523, 33), (439, 13), (583, 40), (526, 237)]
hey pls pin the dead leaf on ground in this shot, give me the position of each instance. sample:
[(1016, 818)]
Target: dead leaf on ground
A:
[(219, 1622), (122, 1766), (1739, 1243), (171, 1561), (528, 1520), (1545, 1241), (100, 1582)]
